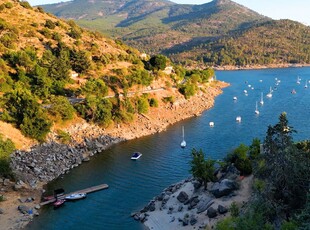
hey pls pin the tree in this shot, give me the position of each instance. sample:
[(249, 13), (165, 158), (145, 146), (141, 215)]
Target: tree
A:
[(202, 169), (158, 62), (61, 108), (95, 87)]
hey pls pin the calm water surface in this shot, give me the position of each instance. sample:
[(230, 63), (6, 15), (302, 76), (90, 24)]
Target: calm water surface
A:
[(134, 183)]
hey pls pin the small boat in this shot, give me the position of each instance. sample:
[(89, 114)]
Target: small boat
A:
[(260, 80), (298, 80), (211, 124), (256, 110), (238, 119), (183, 143), (306, 85), (46, 198), (59, 203), (293, 91), (261, 99), (76, 196), (235, 98), (270, 93), (136, 156), (245, 91)]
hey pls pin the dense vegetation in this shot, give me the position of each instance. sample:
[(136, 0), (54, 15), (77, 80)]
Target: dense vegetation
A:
[(47, 62), (217, 33), (6, 148), (281, 180)]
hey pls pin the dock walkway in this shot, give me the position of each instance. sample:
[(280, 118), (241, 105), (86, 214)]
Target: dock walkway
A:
[(87, 190)]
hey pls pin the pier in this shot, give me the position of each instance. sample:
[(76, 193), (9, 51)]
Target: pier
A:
[(87, 190)]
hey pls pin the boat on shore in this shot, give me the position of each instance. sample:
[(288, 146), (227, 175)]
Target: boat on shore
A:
[(76, 196), (136, 156)]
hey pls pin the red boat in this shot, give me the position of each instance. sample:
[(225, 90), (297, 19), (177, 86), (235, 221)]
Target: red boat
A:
[(58, 203), (46, 198)]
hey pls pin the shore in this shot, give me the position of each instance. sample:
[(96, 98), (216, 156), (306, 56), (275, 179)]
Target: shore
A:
[(252, 67), (87, 140)]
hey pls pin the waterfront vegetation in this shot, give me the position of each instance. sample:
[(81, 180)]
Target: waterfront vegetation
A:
[(6, 148), (281, 181)]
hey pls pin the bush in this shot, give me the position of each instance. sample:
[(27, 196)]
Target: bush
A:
[(153, 102), (188, 90), (8, 5), (142, 105), (61, 108), (234, 209), (6, 148), (63, 136), (49, 24), (244, 166), (25, 5), (170, 99)]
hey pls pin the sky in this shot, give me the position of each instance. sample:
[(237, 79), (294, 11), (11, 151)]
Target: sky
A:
[(297, 10)]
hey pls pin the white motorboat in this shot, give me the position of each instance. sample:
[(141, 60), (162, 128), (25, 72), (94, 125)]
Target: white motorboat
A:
[(238, 119), (136, 156), (183, 143), (235, 98), (76, 196), (211, 124)]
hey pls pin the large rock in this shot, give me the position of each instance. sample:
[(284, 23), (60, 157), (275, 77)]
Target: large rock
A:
[(1, 211), (211, 212), (224, 188), (23, 209), (182, 197), (204, 204), (221, 209)]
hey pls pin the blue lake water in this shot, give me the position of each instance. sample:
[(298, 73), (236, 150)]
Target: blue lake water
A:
[(133, 183)]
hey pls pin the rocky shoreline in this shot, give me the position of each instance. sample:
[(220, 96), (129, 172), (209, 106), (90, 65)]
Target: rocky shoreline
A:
[(45, 162), (252, 67), (188, 205)]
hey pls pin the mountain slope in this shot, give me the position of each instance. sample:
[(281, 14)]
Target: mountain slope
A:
[(153, 25)]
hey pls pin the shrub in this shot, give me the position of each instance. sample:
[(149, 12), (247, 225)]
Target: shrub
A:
[(61, 108), (25, 5), (170, 99), (234, 209), (49, 24), (142, 105), (244, 166), (6, 148), (188, 90), (8, 5), (63, 136), (153, 102)]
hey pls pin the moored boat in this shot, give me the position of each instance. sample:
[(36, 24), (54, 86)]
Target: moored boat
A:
[(136, 156), (76, 196), (59, 203)]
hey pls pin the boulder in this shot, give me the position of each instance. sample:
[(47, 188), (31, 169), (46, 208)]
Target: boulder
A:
[(22, 199), (221, 209), (180, 208), (185, 221), (23, 209), (151, 207), (197, 184), (193, 220), (211, 213), (204, 204), (1, 211), (182, 197), (223, 188)]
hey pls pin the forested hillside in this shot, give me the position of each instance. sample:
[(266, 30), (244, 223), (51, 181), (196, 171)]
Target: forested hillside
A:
[(53, 71)]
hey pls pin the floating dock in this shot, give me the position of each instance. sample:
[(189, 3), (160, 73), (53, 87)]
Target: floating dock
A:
[(87, 190)]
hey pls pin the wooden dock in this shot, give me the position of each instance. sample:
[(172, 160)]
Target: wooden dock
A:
[(87, 190)]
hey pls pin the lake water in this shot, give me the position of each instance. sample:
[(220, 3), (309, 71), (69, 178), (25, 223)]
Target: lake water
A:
[(132, 184)]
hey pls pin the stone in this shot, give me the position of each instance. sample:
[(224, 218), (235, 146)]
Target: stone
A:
[(193, 220), (211, 213), (86, 159), (223, 188), (1, 211), (197, 184), (22, 199), (23, 209), (37, 207), (182, 197), (185, 221), (6, 182), (151, 207), (204, 204), (180, 208), (221, 209)]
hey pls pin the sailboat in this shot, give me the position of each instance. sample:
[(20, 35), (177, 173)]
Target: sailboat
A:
[(256, 110), (306, 85), (183, 143), (261, 99), (298, 80), (270, 93)]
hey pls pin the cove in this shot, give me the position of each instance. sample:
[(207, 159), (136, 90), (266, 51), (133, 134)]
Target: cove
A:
[(132, 184)]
